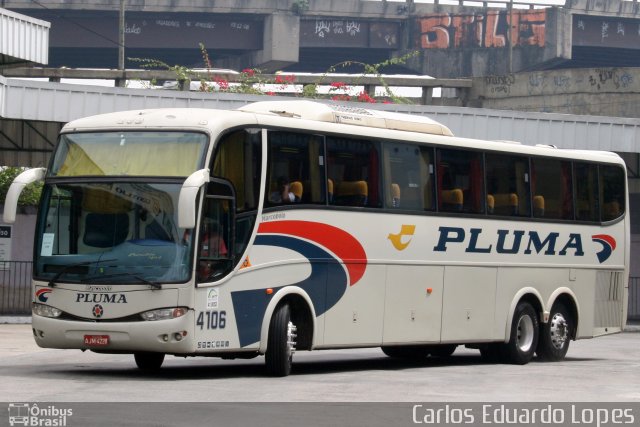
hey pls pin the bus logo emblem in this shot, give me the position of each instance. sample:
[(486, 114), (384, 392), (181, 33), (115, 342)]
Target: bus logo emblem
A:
[(98, 311), (608, 246), (43, 294), (396, 239)]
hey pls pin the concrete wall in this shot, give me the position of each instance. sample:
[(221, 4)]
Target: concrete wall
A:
[(592, 91)]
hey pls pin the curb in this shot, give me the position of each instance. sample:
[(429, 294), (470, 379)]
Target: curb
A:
[(15, 320)]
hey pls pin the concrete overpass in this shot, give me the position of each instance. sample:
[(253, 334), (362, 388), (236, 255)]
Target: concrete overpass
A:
[(453, 41)]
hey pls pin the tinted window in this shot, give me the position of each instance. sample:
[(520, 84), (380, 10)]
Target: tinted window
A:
[(586, 191), (296, 169), (409, 177), (460, 181), (612, 188), (507, 185), (551, 187), (353, 172)]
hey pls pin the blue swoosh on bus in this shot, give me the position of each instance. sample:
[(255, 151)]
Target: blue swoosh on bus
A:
[(608, 246), (337, 261)]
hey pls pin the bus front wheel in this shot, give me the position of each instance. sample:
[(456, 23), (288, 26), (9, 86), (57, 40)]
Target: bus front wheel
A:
[(148, 361), (555, 335), (282, 343), (524, 335)]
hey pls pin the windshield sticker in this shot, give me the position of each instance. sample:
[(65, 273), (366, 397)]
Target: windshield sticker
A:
[(47, 244)]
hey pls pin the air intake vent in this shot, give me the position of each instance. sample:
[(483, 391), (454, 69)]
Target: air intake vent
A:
[(609, 299)]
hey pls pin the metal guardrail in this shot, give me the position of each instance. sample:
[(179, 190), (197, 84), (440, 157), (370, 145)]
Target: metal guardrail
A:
[(15, 290)]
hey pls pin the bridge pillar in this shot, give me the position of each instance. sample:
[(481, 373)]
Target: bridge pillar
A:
[(281, 45)]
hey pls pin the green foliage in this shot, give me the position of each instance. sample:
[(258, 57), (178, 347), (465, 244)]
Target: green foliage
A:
[(299, 7), (30, 195), (252, 81)]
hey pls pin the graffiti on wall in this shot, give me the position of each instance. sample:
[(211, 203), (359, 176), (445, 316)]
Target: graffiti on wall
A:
[(602, 31), (485, 29)]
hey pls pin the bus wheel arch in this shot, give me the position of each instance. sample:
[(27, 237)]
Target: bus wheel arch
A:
[(302, 315), (530, 295)]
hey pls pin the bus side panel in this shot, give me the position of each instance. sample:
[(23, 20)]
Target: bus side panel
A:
[(357, 319), (469, 304), (413, 304)]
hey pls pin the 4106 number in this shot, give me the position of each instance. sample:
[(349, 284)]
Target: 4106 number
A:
[(212, 320)]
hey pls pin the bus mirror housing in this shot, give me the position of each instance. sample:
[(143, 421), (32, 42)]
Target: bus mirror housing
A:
[(11, 202), (187, 198)]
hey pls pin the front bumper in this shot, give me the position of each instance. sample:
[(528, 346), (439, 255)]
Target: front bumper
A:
[(155, 336)]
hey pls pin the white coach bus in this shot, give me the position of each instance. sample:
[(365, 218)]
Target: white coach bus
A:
[(295, 225)]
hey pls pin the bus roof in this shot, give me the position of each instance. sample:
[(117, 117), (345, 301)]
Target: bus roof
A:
[(334, 113)]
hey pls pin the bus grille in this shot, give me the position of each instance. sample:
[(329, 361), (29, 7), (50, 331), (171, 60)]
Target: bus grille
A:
[(609, 299)]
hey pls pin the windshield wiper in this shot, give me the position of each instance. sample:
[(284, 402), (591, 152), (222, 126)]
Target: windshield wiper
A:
[(52, 283), (154, 285)]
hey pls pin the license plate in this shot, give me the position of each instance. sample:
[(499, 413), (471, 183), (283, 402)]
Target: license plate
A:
[(96, 340)]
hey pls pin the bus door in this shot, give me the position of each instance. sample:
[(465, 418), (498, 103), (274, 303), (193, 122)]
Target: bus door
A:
[(217, 232)]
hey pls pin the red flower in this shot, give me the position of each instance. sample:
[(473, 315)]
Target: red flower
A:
[(250, 72), (271, 93), (364, 97), (222, 83)]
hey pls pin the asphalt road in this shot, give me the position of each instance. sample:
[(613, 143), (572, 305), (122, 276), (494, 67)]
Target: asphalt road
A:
[(606, 369), (355, 388)]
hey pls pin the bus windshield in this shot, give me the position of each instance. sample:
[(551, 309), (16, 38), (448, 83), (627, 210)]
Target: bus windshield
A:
[(170, 154), (120, 232)]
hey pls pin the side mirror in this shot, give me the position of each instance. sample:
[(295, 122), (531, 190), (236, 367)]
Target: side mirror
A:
[(187, 198), (11, 202)]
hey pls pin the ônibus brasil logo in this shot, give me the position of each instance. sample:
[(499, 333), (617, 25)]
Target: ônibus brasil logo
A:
[(27, 414), (43, 294)]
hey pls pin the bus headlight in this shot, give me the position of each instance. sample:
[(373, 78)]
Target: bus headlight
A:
[(164, 313), (45, 310)]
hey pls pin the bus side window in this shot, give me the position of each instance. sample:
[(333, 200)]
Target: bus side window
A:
[(586, 191), (460, 181), (408, 174), (551, 187), (353, 167), (507, 184), (612, 185), (296, 169)]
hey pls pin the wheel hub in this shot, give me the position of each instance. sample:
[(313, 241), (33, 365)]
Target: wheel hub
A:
[(525, 334), (559, 331), (291, 338)]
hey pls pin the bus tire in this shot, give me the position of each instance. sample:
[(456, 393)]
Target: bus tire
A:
[(524, 335), (282, 342), (148, 361), (406, 351), (555, 335)]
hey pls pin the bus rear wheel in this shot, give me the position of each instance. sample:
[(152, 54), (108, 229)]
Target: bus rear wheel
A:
[(148, 361), (555, 334), (524, 335), (282, 343)]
